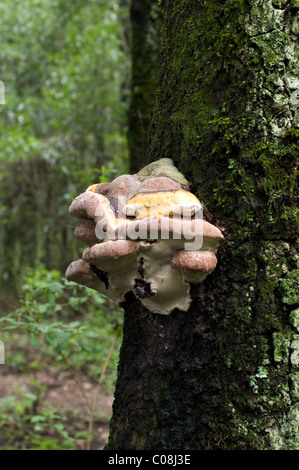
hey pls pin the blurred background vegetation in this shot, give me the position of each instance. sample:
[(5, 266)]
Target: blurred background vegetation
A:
[(67, 70), (65, 66)]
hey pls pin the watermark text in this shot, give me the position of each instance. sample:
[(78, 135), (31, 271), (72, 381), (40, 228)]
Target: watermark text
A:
[(185, 224)]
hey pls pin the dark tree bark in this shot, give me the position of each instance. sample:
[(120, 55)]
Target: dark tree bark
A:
[(145, 47), (225, 374)]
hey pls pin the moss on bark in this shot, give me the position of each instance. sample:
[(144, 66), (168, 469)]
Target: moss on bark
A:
[(145, 47), (225, 374)]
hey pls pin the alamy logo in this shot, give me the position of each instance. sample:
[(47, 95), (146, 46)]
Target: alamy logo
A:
[(2, 93), (149, 223), (2, 353)]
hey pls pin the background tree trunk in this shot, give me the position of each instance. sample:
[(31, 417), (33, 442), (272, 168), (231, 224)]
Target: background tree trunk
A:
[(225, 374), (145, 47)]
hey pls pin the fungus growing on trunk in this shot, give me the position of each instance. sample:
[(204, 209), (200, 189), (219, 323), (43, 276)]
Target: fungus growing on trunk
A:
[(165, 203), (145, 234), (194, 265)]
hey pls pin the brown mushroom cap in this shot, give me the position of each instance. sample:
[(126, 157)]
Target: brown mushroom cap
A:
[(109, 254), (187, 229), (204, 261), (90, 205), (85, 232), (124, 186), (79, 271), (161, 183), (100, 188), (86, 204), (140, 254)]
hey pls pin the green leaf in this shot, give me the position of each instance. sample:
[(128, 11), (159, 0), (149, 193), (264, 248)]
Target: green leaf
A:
[(34, 340), (37, 419)]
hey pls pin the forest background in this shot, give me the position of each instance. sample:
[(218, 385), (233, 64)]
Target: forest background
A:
[(66, 72)]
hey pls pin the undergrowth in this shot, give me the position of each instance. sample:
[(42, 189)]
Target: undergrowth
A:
[(66, 327)]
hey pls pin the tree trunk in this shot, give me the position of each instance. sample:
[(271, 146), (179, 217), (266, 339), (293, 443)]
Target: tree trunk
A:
[(224, 375), (145, 47)]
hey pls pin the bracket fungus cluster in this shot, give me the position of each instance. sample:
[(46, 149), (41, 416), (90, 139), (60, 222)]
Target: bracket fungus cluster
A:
[(145, 234)]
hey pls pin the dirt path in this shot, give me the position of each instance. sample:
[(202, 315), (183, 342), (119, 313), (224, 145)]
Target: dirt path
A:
[(62, 391)]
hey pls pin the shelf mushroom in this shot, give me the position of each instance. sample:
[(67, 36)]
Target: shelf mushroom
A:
[(162, 203), (194, 265), (144, 234)]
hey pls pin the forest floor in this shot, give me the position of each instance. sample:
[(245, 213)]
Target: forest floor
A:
[(60, 391)]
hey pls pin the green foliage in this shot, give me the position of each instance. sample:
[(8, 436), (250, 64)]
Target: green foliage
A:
[(45, 427), (63, 126), (67, 327), (63, 323), (290, 285), (63, 67)]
